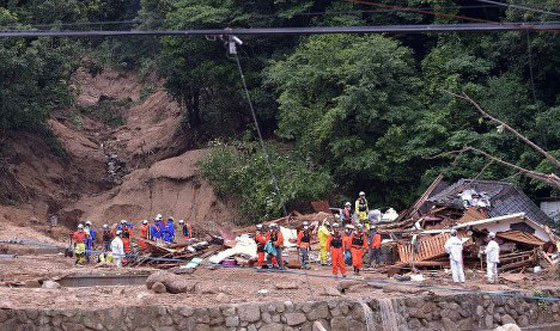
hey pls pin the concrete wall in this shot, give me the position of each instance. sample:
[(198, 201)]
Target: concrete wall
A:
[(457, 312)]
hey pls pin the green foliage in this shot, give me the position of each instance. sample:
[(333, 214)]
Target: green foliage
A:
[(107, 111), (239, 170)]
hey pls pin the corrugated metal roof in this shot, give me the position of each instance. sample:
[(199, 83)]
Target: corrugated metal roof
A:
[(505, 199)]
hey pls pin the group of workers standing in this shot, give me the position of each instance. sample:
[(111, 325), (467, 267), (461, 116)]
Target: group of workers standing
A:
[(454, 247), (117, 245)]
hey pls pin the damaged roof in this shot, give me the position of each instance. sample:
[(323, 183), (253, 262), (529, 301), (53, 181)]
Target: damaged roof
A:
[(505, 199)]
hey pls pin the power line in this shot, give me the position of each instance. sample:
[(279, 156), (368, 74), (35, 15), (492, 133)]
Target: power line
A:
[(425, 28), (536, 10)]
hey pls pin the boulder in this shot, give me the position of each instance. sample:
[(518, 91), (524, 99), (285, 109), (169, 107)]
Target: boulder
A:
[(295, 318), (317, 326), (159, 287), (508, 327), (50, 284), (331, 291), (173, 283)]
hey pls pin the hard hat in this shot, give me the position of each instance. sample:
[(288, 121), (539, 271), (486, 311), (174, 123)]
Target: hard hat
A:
[(145, 222), (349, 226), (155, 220), (119, 232), (360, 226), (327, 223), (453, 232), (123, 221), (335, 225), (171, 218), (259, 226), (88, 223), (305, 223), (181, 221), (362, 194), (159, 217), (80, 226), (305, 227), (348, 204), (105, 226), (491, 235)]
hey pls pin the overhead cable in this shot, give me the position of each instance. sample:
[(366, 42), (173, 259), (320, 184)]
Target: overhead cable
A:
[(536, 10), (295, 31)]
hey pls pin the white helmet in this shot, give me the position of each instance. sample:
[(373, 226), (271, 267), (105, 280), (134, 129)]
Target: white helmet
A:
[(491, 235), (80, 226), (171, 218), (181, 221), (259, 226), (306, 227), (335, 225), (145, 222), (88, 223), (327, 223), (159, 217), (348, 204), (453, 232), (362, 194), (305, 223), (123, 221), (119, 232), (105, 226)]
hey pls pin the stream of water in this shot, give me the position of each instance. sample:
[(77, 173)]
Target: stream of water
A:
[(368, 316), (388, 315)]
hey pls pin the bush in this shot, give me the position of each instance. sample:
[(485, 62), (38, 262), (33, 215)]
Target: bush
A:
[(240, 169)]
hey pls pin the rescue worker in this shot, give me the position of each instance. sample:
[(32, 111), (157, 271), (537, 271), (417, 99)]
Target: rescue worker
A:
[(169, 231), (185, 229), (126, 238), (454, 247), (107, 237), (304, 245), (143, 235), (277, 240), (361, 207), (161, 225), (374, 244), (155, 233), (79, 238), (346, 214), (323, 234), (124, 223), (335, 245), (359, 243), (261, 240), (90, 239), (492, 252), (347, 238), (117, 248)]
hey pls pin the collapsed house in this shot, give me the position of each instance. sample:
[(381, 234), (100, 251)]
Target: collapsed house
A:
[(474, 208)]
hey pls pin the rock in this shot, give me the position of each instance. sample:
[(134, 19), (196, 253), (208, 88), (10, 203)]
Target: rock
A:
[(50, 284), (318, 311), (317, 326), (173, 283), (249, 313), (330, 291), (221, 297), (506, 319), (286, 286), (295, 318), (32, 283), (508, 327), (232, 321), (523, 321), (346, 284), (391, 288), (489, 321), (339, 324), (159, 288), (448, 324), (479, 311), (272, 327)]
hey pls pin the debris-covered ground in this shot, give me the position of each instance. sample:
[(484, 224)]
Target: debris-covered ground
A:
[(215, 285)]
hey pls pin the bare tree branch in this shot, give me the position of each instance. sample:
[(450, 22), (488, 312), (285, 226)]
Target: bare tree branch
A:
[(526, 140)]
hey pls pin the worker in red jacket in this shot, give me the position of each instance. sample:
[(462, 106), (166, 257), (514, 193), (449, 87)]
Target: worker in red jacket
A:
[(359, 243), (143, 235), (336, 246), (260, 239), (79, 237), (277, 240), (304, 245), (374, 242), (126, 238)]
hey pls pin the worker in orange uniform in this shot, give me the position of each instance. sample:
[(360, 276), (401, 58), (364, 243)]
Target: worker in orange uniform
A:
[(347, 239), (277, 240), (260, 239), (186, 229), (79, 238), (335, 244), (143, 235), (359, 243), (304, 245), (126, 238), (374, 242)]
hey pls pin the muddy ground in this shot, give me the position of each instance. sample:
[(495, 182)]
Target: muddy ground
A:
[(220, 285)]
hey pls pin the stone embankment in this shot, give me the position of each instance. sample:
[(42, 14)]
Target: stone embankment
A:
[(453, 312)]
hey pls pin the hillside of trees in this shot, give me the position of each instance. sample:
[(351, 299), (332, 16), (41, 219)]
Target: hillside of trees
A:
[(339, 113)]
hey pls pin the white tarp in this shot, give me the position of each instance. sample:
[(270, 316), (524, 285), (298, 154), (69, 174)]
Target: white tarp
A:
[(245, 246)]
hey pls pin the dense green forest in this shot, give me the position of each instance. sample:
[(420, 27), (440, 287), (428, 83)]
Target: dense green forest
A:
[(340, 113)]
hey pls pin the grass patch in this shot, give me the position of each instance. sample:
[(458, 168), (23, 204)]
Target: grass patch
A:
[(108, 111)]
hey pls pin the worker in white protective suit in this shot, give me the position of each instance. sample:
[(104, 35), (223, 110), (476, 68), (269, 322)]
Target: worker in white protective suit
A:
[(117, 248), (454, 247), (492, 252)]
